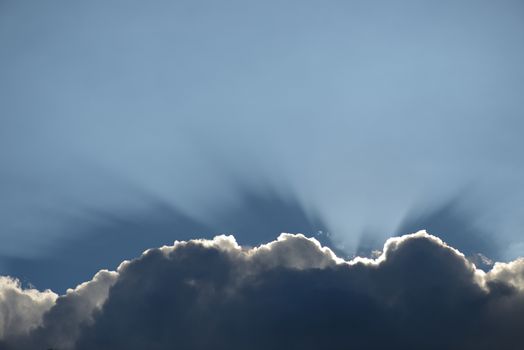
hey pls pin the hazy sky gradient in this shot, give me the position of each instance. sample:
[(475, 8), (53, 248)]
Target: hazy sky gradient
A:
[(364, 111)]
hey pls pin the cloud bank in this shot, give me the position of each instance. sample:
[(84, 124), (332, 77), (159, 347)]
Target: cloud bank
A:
[(290, 293)]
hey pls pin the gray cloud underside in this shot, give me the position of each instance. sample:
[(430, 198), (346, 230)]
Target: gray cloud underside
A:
[(291, 293)]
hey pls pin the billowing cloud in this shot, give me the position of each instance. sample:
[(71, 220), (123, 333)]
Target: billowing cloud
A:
[(108, 238), (290, 293), (46, 318), (21, 309)]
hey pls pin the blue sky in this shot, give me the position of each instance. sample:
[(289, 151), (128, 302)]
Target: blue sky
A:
[(357, 118)]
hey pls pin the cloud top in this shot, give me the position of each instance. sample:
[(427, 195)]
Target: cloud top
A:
[(289, 293), (21, 309)]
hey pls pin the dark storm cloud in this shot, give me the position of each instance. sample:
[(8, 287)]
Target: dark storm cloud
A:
[(291, 293)]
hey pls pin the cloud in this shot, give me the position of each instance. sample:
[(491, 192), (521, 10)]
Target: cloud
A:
[(54, 319), (457, 220), (107, 238), (21, 309), (62, 324), (419, 293)]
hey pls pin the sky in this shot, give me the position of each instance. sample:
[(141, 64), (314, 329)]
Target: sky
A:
[(354, 121), (128, 125)]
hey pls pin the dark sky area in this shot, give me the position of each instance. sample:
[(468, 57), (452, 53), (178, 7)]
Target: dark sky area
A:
[(128, 125)]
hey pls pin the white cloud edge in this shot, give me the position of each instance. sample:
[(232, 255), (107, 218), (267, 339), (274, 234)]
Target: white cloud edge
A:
[(511, 272)]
